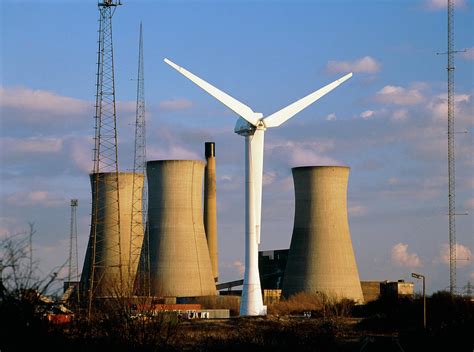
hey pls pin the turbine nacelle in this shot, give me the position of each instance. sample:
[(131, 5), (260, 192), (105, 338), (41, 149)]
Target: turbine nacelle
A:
[(245, 128)]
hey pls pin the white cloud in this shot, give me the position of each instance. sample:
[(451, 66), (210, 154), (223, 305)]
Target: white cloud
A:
[(463, 255), (31, 145), (33, 198), (302, 153), (365, 64), (438, 107), (442, 4), (401, 256), (331, 117), (175, 104), (468, 54), (366, 115), (41, 101), (399, 95), (302, 157)]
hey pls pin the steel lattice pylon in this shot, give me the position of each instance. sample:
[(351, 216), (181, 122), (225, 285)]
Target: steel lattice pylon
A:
[(451, 155), (139, 237), (105, 158)]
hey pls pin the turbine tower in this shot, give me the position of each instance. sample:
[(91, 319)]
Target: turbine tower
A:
[(105, 174), (252, 126), (137, 235)]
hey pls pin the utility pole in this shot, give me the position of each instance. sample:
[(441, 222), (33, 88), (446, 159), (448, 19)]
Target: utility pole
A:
[(419, 276), (105, 156), (139, 235), (73, 272)]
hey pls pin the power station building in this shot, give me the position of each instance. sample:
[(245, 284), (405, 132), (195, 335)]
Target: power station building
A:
[(321, 258), (180, 264)]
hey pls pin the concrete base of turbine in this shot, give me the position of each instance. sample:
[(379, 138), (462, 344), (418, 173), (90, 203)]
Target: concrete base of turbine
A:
[(251, 303)]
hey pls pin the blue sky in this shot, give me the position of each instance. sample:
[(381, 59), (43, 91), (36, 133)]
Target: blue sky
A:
[(388, 123)]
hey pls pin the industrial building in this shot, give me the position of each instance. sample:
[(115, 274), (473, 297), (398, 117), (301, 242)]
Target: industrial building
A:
[(271, 265)]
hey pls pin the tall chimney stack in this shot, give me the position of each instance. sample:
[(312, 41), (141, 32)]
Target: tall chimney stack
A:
[(210, 209)]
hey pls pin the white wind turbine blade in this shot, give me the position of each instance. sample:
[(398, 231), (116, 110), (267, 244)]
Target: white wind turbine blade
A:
[(279, 117), (240, 108), (256, 145)]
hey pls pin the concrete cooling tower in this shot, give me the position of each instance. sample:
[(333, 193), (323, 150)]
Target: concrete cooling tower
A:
[(109, 258), (321, 258), (179, 258)]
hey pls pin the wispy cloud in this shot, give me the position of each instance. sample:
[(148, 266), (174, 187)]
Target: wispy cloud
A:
[(469, 204), (400, 115), (393, 181), (357, 209), (172, 151), (401, 256), (423, 189), (81, 153), (239, 266), (175, 104), (365, 64), (331, 117), (31, 145), (9, 226), (368, 114), (33, 198), (442, 4), (41, 101), (269, 177), (468, 54)]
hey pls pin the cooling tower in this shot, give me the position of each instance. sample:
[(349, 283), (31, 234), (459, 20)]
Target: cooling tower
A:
[(321, 258), (210, 209), (110, 259), (179, 257)]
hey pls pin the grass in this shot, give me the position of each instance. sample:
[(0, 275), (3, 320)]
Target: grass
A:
[(334, 325)]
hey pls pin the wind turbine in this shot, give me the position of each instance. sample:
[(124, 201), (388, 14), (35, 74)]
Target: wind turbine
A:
[(252, 126)]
